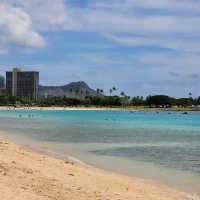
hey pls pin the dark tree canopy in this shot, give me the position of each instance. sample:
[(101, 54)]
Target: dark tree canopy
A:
[(160, 100)]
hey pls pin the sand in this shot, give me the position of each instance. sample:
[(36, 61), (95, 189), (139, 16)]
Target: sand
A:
[(60, 108), (101, 108), (28, 175)]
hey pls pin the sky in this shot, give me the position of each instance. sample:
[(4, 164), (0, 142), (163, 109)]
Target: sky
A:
[(141, 47)]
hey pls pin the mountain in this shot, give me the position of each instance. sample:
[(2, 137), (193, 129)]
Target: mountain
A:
[(72, 90)]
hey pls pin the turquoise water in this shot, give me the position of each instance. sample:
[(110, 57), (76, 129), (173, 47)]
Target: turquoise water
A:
[(166, 141)]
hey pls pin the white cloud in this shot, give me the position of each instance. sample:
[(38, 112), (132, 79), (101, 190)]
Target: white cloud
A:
[(112, 15), (164, 41), (48, 15), (186, 6), (16, 28), (23, 20)]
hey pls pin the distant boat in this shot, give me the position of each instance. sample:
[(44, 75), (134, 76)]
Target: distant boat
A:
[(133, 111), (185, 113)]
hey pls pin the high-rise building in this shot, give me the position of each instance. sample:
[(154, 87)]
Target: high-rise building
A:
[(2, 82), (22, 84)]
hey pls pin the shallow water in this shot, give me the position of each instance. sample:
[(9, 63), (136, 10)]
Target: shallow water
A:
[(145, 144)]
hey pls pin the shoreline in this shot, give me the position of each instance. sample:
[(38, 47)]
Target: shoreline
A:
[(26, 165), (99, 108), (139, 168)]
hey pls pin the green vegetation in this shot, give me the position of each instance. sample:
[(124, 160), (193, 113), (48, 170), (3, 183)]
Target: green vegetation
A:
[(157, 101)]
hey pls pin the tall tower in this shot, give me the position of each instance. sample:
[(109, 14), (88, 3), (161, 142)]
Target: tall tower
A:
[(14, 81), (22, 84)]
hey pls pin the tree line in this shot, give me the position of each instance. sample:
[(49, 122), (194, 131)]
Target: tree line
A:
[(103, 100)]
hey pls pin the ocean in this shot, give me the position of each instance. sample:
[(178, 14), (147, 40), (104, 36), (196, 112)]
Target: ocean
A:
[(160, 146)]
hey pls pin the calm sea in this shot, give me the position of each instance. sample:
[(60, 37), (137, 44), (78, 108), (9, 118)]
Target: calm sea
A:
[(152, 145)]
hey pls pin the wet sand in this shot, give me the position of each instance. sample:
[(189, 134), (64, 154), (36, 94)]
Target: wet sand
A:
[(25, 174)]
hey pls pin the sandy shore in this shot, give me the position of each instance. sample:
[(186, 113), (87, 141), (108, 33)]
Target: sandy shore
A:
[(59, 108), (103, 108), (25, 174)]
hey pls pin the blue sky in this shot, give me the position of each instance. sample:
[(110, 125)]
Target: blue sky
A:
[(140, 46)]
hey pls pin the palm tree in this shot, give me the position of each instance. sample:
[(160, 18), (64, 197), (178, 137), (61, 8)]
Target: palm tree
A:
[(111, 91), (190, 94), (122, 94), (114, 88), (125, 98), (98, 90), (101, 91)]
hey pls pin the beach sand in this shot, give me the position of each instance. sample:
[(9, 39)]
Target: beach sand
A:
[(28, 175), (100, 108), (60, 108)]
